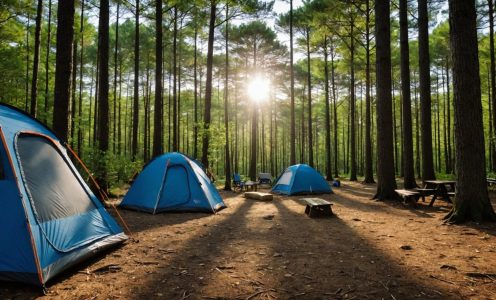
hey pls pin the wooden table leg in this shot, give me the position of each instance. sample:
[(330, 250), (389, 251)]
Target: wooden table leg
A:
[(434, 197)]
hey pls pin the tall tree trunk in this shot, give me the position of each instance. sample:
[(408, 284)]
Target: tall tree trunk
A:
[(175, 117), (471, 200), (445, 128), (448, 105), (369, 173), (353, 168), (395, 131), (73, 92), (195, 75), (134, 143), (327, 113), (47, 59), (417, 133), (408, 171), (292, 138), (438, 126), (227, 185), (385, 166), (103, 92), (95, 119), (116, 83), (493, 76), (81, 69), (208, 87), (335, 109), (425, 92), (26, 85), (90, 114), (36, 60), (309, 81), (63, 69), (119, 110), (253, 150), (158, 143)]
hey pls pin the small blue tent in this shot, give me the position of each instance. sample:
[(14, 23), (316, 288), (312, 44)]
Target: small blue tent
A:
[(301, 179), (173, 182), (49, 218)]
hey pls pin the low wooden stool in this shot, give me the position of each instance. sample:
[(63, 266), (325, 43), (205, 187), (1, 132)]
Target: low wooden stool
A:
[(317, 207)]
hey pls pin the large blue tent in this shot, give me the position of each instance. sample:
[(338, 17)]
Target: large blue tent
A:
[(50, 219), (173, 182), (301, 179)]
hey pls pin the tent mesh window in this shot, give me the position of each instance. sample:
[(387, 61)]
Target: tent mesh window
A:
[(53, 188)]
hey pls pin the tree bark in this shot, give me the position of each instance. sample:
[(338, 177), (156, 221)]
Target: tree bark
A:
[(493, 75), (175, 117), (335, 109), (292, 138), (158, 143), (36, 60), (385, 165), (80, 139), (327, 113), (408, 171), (63, 69), (309, 81), (103, 92), (134, 143), (471, 201), (425, 92), (47, 58), (353, 168), (116, 83), (448, 98), (369, 173), (195, 75), (227, 185), (208, 84)]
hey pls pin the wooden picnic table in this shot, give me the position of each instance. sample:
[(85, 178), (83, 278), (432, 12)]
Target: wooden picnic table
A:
[(253, 185), (442, 189)]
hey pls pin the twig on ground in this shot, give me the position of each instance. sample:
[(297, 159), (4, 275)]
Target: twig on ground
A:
[(185, 295), (440, 279), (481, 275), (258, 293)]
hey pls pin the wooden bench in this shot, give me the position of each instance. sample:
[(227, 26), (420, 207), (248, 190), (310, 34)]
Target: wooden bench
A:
[(316, 207), (409, 195), (259, 196)]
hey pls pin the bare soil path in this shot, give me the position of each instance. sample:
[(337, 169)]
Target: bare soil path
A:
[(272, 250)]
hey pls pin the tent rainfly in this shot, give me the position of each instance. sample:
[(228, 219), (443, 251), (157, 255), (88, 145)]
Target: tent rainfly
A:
[(50, 219), (301, 179), (173, 182)]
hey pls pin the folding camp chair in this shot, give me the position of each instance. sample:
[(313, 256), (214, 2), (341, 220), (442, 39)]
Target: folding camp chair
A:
[(265, 178), (237, 182)]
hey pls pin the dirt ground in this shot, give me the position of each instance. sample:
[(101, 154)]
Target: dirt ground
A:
[(272, 250)]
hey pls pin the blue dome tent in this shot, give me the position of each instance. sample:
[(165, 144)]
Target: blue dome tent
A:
[(301, 179), (50, 219), (173, 182)]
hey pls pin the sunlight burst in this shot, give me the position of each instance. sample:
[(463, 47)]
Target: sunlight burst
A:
[(258, 89)]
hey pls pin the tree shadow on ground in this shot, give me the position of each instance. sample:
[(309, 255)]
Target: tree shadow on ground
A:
[(139, 221), (285, 255), (421, 209)]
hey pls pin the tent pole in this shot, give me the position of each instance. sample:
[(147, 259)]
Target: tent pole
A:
[(161, 186)]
